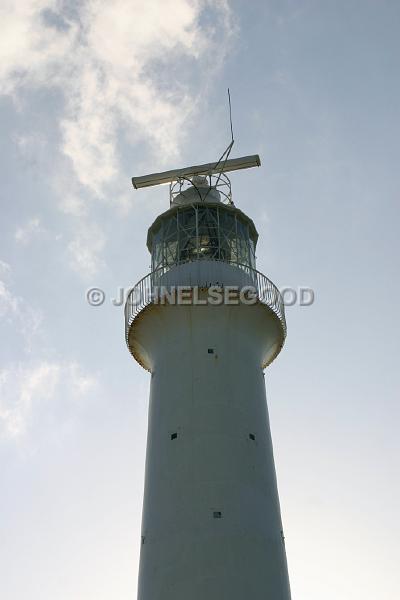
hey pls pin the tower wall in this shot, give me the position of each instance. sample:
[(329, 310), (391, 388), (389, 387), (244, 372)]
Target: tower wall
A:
[(211, 526)]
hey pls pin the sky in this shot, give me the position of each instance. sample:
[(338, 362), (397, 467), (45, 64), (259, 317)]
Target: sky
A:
[(92, 93)]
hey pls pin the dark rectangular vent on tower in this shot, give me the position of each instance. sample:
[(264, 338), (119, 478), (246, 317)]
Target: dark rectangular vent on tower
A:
[(252, 436), (174, 436), (210, 351), (217, 514)]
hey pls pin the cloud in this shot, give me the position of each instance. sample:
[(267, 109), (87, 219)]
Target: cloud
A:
[(30, 50), (84, 251), (130, 76), (35, 388), (17, 311), (128, 68), (4, 268), (27, 390), (72, 204), (27, 232)]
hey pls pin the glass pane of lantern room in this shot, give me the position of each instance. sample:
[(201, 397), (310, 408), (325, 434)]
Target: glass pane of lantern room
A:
[(243, 243), (157, 249), (242, 230), (227, 236), (186, 218), (187, 245), (186, 233), (252, 254), (207, 216), (171, 257)]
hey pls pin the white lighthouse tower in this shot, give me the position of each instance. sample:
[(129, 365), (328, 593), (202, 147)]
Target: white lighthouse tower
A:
[(211, 525)]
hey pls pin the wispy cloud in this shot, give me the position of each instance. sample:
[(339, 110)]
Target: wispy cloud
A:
[(72, 204), (28, 385), (84, 251), (26, 390), (25, 233), (128, 71), (127, 65), (16, 310)]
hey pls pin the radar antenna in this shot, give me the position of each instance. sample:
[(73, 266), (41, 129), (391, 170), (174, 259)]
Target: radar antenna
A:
[(223, 165), (233, 164)]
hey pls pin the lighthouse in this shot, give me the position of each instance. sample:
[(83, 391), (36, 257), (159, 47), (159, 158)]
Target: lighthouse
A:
[(206, 323)]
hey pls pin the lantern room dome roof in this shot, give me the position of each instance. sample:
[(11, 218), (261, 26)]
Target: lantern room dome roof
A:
[(200, 191)]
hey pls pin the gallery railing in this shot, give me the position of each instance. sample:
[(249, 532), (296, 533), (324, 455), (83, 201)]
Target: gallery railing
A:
[(143, 294)]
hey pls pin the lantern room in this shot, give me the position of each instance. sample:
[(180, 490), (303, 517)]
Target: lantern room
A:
[(202, 224)]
